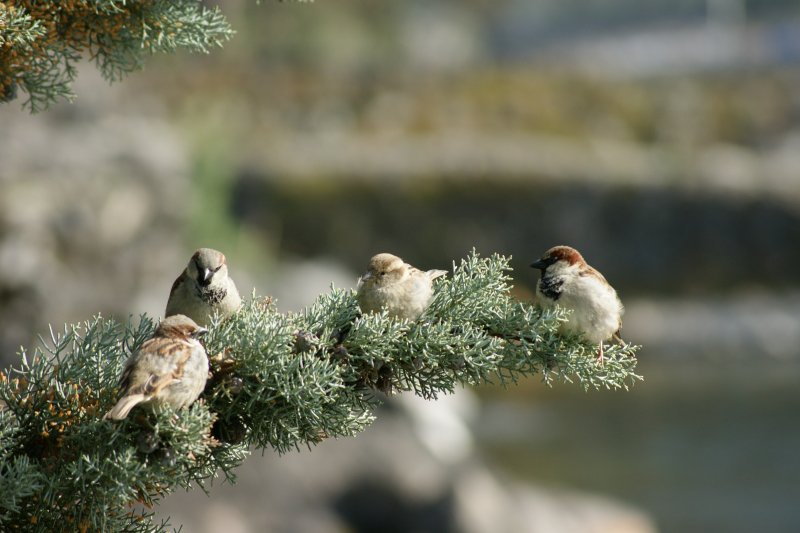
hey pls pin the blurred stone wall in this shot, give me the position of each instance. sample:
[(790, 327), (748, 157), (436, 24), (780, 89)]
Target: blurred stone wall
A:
[(646, 240)]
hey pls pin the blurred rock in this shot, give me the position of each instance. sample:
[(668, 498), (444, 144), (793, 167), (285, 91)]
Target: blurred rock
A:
[(296, 283), (441, 36), (742, 326), (389, 479), (90, 212)]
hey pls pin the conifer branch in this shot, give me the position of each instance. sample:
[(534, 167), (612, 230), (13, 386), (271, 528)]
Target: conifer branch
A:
[(42, 41), (278, 380)]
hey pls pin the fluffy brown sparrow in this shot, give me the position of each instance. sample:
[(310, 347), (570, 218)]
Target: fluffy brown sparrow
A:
[(567, 280), (204, 288), (171, 367), (398, 287)]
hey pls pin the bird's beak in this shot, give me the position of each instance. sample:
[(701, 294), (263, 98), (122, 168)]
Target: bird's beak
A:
[(366, 276), (200, 332), (207, 273), (541, 265)]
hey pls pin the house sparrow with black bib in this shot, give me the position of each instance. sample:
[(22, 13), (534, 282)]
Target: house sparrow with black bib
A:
[(204, 288), (171, 368), (568, 281), (399, 288)]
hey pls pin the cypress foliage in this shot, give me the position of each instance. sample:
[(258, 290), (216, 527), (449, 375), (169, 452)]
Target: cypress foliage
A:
[(279, 380), (42, 41)]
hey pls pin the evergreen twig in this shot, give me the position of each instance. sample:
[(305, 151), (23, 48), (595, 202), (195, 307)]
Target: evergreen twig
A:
[(42, 41), (278, 380)]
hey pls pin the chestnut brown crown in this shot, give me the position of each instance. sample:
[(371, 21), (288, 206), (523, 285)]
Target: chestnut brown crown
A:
[(559, 253), (179, 326)]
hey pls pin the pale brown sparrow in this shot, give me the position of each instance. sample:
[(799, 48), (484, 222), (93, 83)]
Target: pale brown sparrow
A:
[(204, 288), (568, 281), (391, 284), (171, 368)]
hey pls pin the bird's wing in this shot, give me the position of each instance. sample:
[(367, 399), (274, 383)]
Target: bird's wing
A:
[(160, 362), (591, 271), (172, 301)]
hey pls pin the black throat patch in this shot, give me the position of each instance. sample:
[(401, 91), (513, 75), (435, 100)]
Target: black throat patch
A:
[(211, 295), (551, 287)]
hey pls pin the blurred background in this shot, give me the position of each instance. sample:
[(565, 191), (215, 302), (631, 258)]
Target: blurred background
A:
[(660, 138)]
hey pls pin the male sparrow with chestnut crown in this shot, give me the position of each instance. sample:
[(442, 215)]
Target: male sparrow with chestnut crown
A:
[(391, 284), (567, 280), (171, 368), (204, 288)]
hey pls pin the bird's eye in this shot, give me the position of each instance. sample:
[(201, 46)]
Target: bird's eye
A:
[(217, 269), (383, 273)]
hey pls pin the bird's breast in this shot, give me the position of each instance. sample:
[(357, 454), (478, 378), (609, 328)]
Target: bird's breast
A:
[(210, 294)]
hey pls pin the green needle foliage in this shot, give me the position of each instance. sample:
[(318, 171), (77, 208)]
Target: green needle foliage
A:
[(42, 40), (278, 380)]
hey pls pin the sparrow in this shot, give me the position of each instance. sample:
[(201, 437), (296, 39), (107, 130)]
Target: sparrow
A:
[(391, 284), (204, 288), (568, 281), (171, 367)]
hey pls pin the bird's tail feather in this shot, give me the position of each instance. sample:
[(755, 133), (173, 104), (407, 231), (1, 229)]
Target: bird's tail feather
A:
[(124, 406)]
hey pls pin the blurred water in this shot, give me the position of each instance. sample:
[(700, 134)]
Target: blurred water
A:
[(701, 447)]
